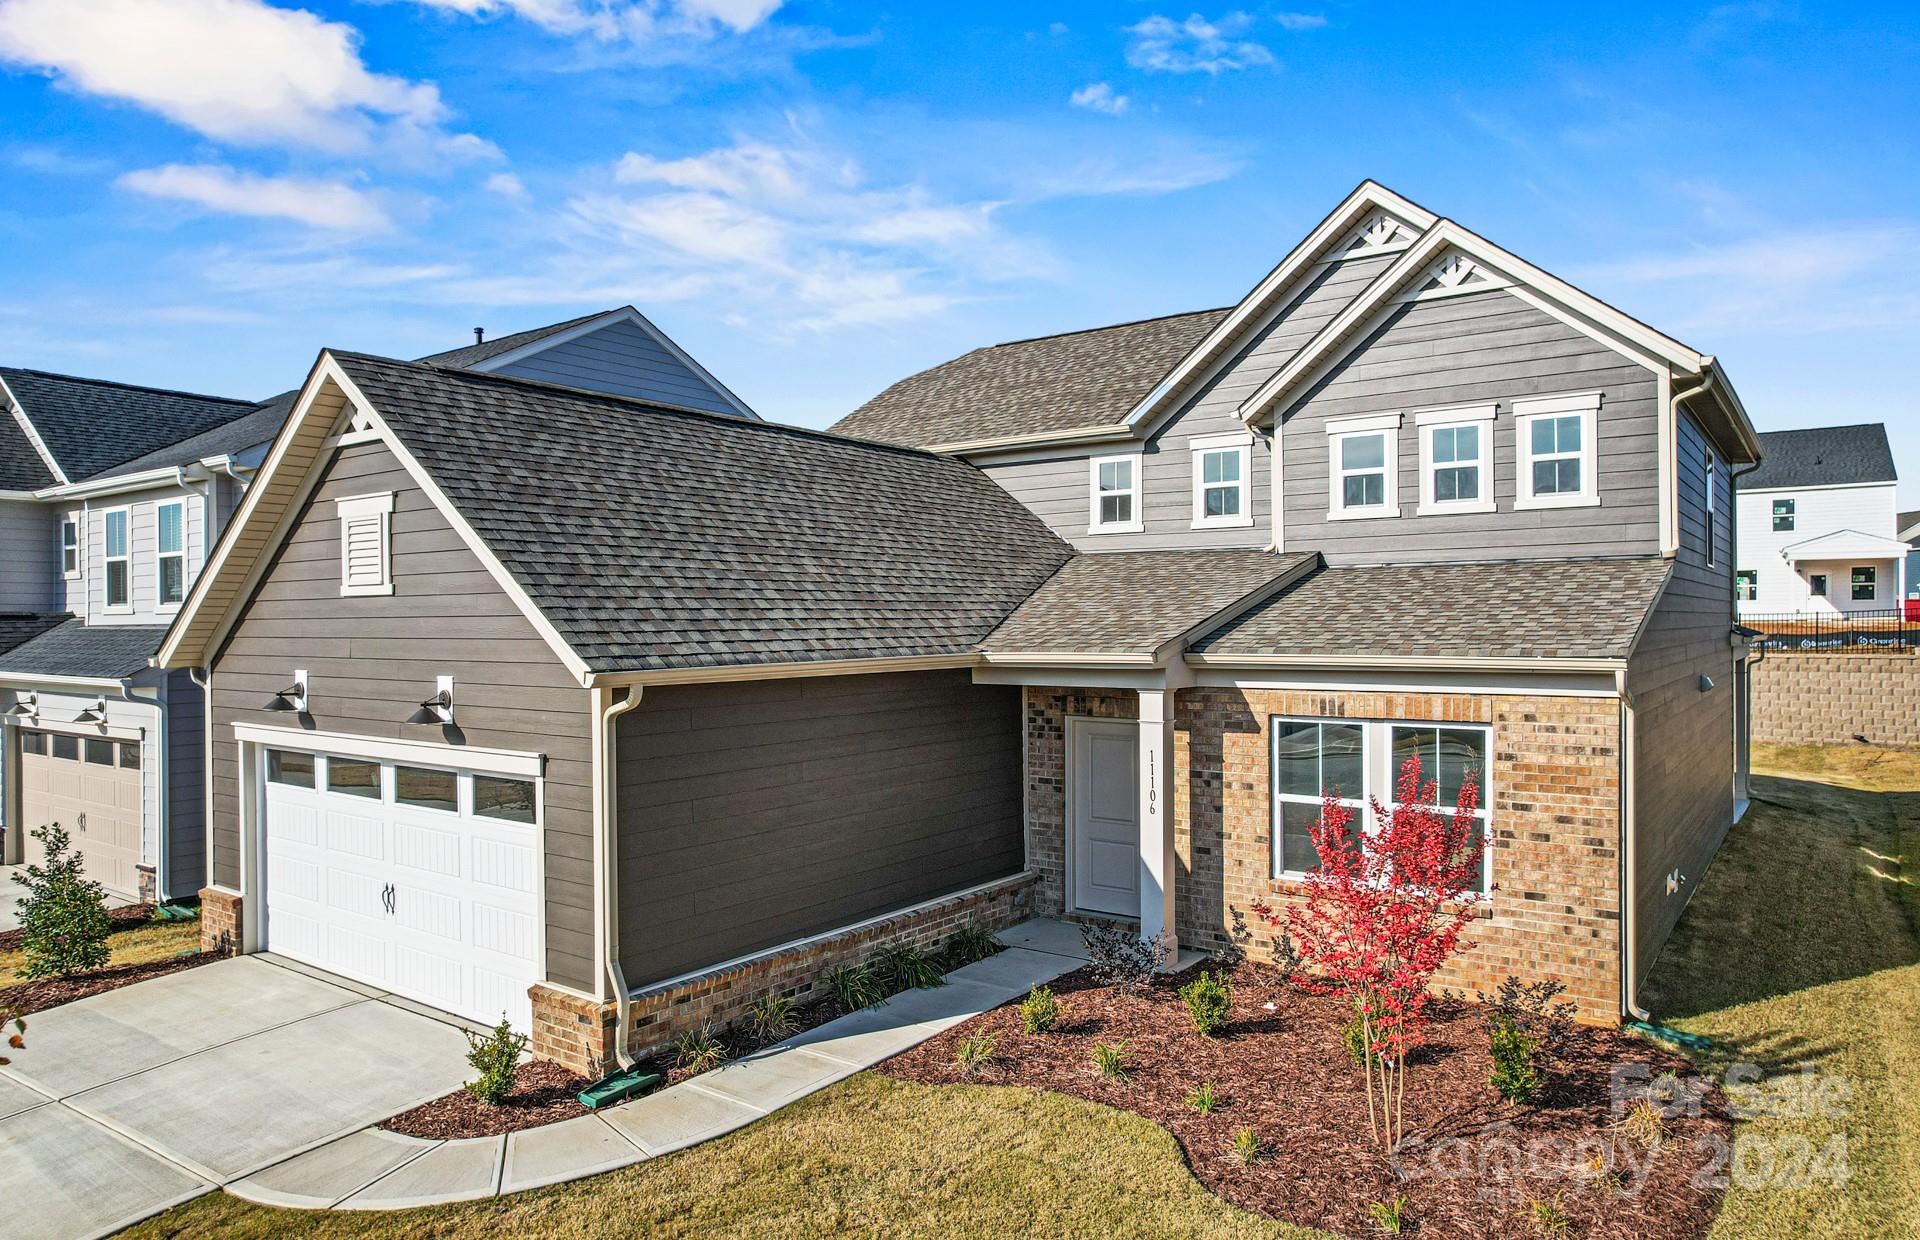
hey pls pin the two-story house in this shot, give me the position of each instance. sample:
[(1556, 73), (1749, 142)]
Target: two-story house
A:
[(112, 497), (1083, 626), (1819, 530)]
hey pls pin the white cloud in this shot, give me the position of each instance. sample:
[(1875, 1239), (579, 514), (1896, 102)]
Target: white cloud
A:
[(508, 186), (1300, 21), (331, 205), (239, 71), (1100, 97), (1196, 45), (638, 20)]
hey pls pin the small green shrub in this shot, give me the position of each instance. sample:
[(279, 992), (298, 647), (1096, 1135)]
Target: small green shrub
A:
[(1209, 999), (1204, 1098), (902, 966), (699, 1050), (853, 985), (1354, 1035), (1039, 1011), (971, 942), (1390, 1215), (771, 1018), (1547, 1217), (975, 1052), (494, 1056), (1516, 1071), (1112, 1061), (63, 915), (1247, 1147)]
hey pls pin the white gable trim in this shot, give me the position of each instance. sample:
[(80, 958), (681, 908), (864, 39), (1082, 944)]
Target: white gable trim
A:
[(626, 314), (327, 375), (1261, 305), (1838, 544), (19, 412)]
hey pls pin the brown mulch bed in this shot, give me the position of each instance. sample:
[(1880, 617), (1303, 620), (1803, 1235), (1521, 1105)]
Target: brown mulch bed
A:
[(26, 998), (543, 1093), (1474, 1162), (119, 918)]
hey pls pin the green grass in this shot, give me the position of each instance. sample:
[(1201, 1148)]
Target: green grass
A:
[(1802, 951), (153, 940), (870, 1157)]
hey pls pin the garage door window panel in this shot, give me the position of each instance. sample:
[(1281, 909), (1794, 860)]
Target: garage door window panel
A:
[(510, 800), (67, 747), (425, 788), (33, 742), (353, 777), (98, 752), (295, 770), (129, 756)]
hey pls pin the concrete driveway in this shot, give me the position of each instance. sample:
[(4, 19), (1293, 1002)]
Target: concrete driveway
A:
[(135, 1100), (11, 891)]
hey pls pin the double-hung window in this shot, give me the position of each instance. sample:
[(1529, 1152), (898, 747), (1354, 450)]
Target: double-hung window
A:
[(1222, 490), (1113, 494), (1782, 516), (1359, 762), (1746, 585), (70, 545), (119, 574), (1362, 463), (1456, 459), (1865, 581), (170, 565), (1556, 435)]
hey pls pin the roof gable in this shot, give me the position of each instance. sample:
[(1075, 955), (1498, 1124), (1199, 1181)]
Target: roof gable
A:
[(1823, 456), (89, 427)]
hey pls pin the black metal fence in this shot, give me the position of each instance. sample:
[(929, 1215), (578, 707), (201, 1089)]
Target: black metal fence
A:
[(1888, 628)]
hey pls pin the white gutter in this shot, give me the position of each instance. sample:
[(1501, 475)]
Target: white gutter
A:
[(174, 475), (1085, 434), (95, 684), (779, 671), (1461, 663), (606, 891)]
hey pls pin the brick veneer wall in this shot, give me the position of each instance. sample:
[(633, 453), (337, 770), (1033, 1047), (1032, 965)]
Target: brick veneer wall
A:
[(1556, 814), (1826, 698), (219, 920), (580, 1033)]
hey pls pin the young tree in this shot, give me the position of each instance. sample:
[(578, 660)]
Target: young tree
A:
[(63, 916), (1379, 918)]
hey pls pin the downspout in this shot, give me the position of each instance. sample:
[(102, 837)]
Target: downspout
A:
[(162, 889), (1672, 500), (1629, 863), (605, 858), (203, 677)]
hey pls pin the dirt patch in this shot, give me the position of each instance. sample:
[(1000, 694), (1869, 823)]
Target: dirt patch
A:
[(118, 918), (543, 1093), (1476, 1163), (27, 998)]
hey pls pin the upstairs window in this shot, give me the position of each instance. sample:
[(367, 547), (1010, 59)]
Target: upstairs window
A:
[(1221, 488), (1362, 464), (366, 535), (1782, 516), (1746, 585), (119, 568), (170, 567), (1865, 582), (1556, 436), (1456, 459), (70, 545), (1114, 495)]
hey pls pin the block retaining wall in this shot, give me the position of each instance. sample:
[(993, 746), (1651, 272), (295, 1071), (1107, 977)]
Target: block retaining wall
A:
[(1832, 697)]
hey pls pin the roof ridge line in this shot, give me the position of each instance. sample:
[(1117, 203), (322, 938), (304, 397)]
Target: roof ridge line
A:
[(131, 387), (1104, 327)]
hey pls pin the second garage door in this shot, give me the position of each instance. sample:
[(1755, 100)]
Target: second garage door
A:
[(423, 881), (91, 786)]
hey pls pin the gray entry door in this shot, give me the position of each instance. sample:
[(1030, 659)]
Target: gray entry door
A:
[(1106, 815)]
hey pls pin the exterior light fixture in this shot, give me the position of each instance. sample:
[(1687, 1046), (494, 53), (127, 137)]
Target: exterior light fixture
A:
[(96, 713), (439, 707), (28, 707), (292, 698)]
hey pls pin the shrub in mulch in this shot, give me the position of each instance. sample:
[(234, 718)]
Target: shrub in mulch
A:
[(543, 1093), (1473, 1164), (117, 919)]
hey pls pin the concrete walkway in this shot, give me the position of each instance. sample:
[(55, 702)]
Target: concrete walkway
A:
[(376, 1170)]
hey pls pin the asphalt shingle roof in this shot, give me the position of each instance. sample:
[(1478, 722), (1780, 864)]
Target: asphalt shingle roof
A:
[(17, 627), (1822, 456), (247, 431), (1054, 383), (474, 354), (21, 466), (654, 538), (76, 648), (1134, 602), (92, 425), (1537, 609)]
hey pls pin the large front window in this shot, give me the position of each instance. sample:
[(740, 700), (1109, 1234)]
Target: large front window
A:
[(1358, 763), (118, 567)]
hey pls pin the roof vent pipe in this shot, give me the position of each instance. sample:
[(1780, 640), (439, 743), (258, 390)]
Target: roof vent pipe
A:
[(479, 335)]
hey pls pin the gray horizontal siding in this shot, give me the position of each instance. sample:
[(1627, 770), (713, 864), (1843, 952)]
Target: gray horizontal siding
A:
[(754, 814), (186, 869), (371, 660), (29, 556), (1480, 347), (622, 359)]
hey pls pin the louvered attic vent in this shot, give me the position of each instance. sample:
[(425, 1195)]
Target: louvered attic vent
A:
[(366, 535)]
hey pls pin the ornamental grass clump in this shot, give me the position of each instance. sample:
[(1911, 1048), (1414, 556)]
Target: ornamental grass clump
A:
[(1247, 1147), (853, 986), (699, 1050), (1209, 999), (1112, 1061), (1203, 1099), (902, 966), (975, 1052), (1380, 917), (771, 1018)]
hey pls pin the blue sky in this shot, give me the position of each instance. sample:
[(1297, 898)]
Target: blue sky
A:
[(818, 198)]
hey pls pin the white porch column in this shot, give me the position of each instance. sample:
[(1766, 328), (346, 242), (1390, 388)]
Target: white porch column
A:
[(1156, 818)]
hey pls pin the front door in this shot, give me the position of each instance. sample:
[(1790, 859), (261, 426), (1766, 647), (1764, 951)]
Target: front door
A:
[(1105, 798)]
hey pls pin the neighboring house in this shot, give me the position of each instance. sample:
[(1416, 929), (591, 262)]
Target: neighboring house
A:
[(617, 717), (1819, 533), (1909, 523), (111, 496)]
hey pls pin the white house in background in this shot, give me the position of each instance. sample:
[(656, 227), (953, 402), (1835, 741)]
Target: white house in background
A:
[(1818, 528), (1910, 535)]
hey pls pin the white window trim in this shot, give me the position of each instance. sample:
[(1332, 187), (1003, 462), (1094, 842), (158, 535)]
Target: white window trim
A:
[(1137, 465), (160, 557), (1339, 430), (1199, 447), (107, 561), (1773, 516), (1378, 775), (1430, 420), (1711, 488), (1528, 408), (352, 508), (79, 546)]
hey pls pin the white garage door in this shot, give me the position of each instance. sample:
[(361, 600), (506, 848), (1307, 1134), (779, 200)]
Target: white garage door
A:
[(422, 881), (90, 785)]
